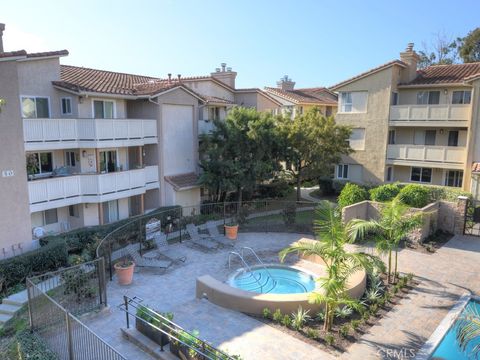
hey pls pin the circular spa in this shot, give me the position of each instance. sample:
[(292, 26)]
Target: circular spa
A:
[(273, 279)]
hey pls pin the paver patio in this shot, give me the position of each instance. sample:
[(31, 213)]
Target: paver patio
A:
[(443, 277)]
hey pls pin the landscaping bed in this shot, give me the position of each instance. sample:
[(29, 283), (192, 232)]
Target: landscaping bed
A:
[(431, 244), (347, 328)]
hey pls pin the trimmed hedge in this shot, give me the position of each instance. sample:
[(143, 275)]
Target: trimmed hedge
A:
[(416, 196), (275, 189), (326, 186), (352, 194), (30, 346), (385, 192), (47, 258)]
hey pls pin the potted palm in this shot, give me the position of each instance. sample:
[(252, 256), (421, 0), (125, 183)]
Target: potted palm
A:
[(124, 270)]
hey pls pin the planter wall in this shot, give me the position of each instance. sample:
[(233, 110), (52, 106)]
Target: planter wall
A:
[(153, 334)]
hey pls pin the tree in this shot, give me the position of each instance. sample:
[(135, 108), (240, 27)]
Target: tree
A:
[(312, 143), (393, 225), (468, 330), (241, 151), (339, 263), (442, 50), (469, 46)]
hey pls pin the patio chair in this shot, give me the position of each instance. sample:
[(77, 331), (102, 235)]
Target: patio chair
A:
[(216, 236), (141, 261), (163, 248), (201, 240)]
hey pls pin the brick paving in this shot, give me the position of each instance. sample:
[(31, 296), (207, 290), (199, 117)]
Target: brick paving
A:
[(443, 277)]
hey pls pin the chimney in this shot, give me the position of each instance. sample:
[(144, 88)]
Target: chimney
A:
[(169, 78), (179, 76), (225, 75), (2, 28), (411, 58), (286, 83)]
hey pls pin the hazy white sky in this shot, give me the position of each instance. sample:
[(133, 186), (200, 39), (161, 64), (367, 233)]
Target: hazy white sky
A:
[(315, 42)]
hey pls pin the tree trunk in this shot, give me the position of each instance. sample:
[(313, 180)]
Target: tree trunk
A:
[(396, 264), (299, 181), (240, 194), (389, 265), (327, 315)]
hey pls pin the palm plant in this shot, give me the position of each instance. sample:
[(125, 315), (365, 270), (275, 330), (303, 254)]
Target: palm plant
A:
[(393, 225), (468, 330), (339, 263)]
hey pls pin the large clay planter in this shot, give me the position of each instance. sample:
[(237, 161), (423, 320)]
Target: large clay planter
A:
[(231, 231), (124, 273)]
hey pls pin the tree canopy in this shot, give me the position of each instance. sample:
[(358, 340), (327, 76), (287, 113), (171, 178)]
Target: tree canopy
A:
[(469, 46)]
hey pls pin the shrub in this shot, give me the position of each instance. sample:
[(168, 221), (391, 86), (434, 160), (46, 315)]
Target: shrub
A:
[(416, 196), (30, 346), (326, 186), (47, 258), (329, 339), (320, 316), (385, 192), (275, 189), (355, 324), (299, 318), (267, 314), (277, 315), (312, 333), (343, 312), (289, 213), (286, 321), (344, 330), (352, 194), (446, 193)]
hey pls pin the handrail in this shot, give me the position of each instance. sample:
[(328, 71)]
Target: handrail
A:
[(260, 261), (247, 266), (171, 329)]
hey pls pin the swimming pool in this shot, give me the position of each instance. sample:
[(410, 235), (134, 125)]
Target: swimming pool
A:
[(448, 347), (273, 279)]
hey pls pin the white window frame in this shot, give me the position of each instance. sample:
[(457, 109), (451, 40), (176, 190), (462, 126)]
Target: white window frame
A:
[(463, 97), (428, 97), (343, 171), (67, 158), (421, 170), (40, 173), (344, 104), (69, 98), (44, 217), (35, 97), (445, 177), (104, 100)]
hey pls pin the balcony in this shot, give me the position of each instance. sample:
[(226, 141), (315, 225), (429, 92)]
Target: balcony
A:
[(52, 134), (448, 157), (87, 188), (442, 115)]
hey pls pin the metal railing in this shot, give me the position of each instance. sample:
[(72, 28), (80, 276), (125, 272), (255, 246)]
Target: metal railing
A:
[(175, 333), (252, 216), (63, 332)]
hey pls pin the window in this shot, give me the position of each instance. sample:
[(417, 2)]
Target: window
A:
[(454, 178), (110, 211), (35, 107), (394, 98), (103, 109), (39, 163), (453, 138), (428, 97), (355, 101), (357, 139), (461, 97), (342, 171), (73, 211), (70, 158), (391, 137), (328, 111), (430, 136), (50, 216), (300, 110), (66, 106), (108, 161), (214, 113), (389, 173), (421, 175)]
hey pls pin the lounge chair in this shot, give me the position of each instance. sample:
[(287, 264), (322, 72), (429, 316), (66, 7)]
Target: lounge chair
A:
[(141, 261), (201, 240), (216, 236), (163, 248)]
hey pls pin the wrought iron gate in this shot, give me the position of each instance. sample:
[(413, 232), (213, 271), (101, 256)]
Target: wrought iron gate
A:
[(472, 218)]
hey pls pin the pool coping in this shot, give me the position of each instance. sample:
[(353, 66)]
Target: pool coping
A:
[(437, 336)]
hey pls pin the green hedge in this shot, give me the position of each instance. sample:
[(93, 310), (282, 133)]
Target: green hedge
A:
[(416, 196), (352, 194), (385, 192), (30, 346), (47, 258)]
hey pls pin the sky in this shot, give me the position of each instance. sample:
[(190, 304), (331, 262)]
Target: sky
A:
[(316, 43)]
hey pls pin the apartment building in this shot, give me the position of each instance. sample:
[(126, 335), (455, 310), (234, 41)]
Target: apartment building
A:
[(410, 125), (297, 101)]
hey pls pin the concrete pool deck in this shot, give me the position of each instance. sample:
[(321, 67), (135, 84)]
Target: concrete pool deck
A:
[(444, 276)]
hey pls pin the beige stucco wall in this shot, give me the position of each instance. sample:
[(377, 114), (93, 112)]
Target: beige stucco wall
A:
[(255, 100), (187, 197), (374, 120), (402, 174)]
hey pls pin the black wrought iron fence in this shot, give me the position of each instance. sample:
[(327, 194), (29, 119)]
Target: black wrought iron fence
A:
[(252, 216)]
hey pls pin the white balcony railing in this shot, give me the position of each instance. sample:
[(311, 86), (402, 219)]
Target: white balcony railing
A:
[(69, 190), (442, 112), (426, 153), (67, 133)]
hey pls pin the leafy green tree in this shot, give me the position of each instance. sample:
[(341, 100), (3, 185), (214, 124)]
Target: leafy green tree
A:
[(469, 46), (393, 225), (312, 143), (241, 151), (340, 263)]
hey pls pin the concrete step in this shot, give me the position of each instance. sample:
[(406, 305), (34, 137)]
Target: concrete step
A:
[(9, 309), (4, 318), (18, 299)]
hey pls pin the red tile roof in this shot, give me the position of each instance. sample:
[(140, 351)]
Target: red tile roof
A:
[(369, 72), (446, 74), (183, 181), (318, 95), (33, 55), (476, 167)]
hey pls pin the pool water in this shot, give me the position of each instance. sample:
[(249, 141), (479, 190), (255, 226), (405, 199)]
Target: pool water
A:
[(274, 280), (449, 349)]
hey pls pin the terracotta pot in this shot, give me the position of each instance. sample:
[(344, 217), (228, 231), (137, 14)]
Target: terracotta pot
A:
[(124, 273), (231, 231)]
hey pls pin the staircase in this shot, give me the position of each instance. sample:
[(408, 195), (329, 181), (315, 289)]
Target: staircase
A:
[(10, 305)]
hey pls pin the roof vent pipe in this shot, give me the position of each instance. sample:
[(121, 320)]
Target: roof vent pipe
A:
[(410, 47), (179, 76), (229, 69), (217, 69), (169, 77), (223, 66)]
